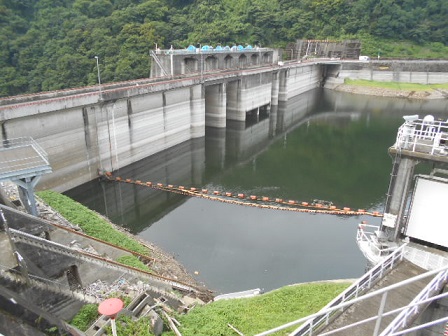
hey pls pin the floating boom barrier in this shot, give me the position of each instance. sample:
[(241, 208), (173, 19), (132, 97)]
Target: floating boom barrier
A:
[(262, 202)]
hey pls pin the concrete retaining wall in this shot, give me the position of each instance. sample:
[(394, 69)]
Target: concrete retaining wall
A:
[(108, 134), (299, 79), (396, 71)]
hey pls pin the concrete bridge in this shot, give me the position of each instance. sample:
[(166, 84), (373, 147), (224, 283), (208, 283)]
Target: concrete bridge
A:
[(111, 126)]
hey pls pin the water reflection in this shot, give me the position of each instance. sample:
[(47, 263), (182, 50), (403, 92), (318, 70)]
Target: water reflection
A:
[(323, 144)]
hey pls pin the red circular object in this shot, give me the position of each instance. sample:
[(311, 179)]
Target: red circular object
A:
[(110, 307)]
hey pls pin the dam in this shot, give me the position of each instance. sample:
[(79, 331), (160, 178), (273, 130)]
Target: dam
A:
[(262, 110), (107, 127)]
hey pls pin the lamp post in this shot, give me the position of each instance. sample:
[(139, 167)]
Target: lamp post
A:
[(99, 76)]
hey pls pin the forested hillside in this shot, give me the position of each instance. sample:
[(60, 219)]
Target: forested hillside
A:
[(51, 44)]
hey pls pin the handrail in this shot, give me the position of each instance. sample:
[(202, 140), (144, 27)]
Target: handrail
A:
[(351, 302), (363, 283), (401, 320), (25, 142), (368, 236), (209, 51), (423, 135), (389, 313)]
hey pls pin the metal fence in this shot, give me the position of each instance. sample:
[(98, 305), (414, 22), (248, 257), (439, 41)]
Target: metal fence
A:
[(425, 135)]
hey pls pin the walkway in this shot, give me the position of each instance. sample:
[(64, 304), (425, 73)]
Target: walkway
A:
[(22, 158), (396, 298)]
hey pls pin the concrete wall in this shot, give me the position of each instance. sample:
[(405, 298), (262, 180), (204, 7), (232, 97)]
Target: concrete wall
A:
[(119, 125), (181, 62), (396, 71), (299, 79), (249, 93), (108, 134), (216, 104), (127, 122)]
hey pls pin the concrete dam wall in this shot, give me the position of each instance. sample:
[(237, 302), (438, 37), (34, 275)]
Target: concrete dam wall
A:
[(89, 129), (422, 72), (113, 127)]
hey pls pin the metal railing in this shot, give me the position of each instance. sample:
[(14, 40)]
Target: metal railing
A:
[(367, 296), (364, 283), (423, 135), (37, 157), (367, 240), (408, 314), (210, 51)]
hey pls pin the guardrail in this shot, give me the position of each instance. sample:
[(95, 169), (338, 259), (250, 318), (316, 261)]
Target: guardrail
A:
[(364, 283), (423, 135), (210, 51), (367, 240), (407, 315), (38, 158), (339, 307)]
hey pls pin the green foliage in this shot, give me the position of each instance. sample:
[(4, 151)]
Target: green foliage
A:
[(85, 317), (48, 45), (251, 316), (133, 261), (90, 222), (126, 326), (395, 85)]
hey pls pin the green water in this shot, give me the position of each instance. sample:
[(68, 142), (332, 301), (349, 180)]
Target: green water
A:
[(321, 145)]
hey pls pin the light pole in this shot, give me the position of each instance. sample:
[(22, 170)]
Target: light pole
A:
[(99, 76)]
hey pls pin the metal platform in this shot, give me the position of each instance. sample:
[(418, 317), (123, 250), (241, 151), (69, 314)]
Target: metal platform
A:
[(422, 139), (23, 162), (21, 158)]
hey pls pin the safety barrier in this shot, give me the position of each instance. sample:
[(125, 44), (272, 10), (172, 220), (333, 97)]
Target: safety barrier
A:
[(367, 241), (339, 307), (359, 287), (407, 315), (263, 202), (425, 135)]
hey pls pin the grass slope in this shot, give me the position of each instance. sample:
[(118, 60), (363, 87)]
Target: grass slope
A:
[(261, 313), (395, 85)]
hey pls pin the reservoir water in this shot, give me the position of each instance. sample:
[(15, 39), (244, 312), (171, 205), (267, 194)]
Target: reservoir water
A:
[(320, 145)]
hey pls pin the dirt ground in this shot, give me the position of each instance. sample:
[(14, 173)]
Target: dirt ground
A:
[(382, 92)]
